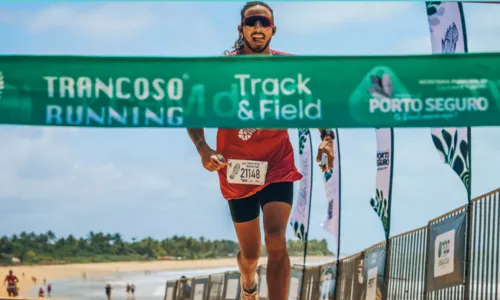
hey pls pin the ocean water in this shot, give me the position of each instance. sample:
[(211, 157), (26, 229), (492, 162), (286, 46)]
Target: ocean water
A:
[(152, 286), (148, 286)]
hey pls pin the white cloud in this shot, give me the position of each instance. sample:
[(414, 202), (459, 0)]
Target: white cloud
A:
[(483, 27), (414, 45), (42, 164), (482, 15), (306, 17), (111, 22), (123, 20)]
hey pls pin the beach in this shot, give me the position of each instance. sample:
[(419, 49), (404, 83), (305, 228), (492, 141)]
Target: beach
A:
[(56, 272)]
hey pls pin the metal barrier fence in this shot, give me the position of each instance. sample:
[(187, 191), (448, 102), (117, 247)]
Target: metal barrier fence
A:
[(349, 278), (407, 265), (361, 276), (484, 245)]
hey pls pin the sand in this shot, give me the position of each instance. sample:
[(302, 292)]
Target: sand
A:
[(98, 269)]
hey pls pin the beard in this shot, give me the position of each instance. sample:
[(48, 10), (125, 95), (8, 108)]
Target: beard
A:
[(256, 49)]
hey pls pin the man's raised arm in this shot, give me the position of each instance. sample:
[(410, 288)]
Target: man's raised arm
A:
[(197, 135), (210, 159), (326, 147)]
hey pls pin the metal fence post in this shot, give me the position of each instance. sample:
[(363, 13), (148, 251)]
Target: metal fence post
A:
[(387, 270), (468, 260), (336, 289), (427, 259)]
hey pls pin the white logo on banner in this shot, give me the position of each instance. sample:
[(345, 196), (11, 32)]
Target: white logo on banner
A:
[(371, 284), (444, 253), (327, 286), (2, 84)]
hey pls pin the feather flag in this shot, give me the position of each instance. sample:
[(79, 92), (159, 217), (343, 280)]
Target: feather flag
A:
[(448, 35), (331, 180), (381, 202), (300, 215)]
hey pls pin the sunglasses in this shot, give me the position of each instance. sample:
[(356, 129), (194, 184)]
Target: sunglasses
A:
[(252, 21)]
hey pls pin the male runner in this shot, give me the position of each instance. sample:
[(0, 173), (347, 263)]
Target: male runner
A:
[(274, 193), (12, 281)]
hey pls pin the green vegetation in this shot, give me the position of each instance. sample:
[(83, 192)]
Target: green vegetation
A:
[(46, 248)]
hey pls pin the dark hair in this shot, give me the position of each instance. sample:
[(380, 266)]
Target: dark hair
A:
[(238, 44)]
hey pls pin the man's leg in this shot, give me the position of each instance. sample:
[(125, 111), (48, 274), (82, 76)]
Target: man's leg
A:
[(276, 214), (245, 213), (248, 257)]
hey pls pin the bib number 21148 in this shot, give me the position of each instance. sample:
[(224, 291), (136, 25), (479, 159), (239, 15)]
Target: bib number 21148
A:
[(241, 171)]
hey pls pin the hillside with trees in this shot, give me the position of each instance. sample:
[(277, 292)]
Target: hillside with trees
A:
[(46, 248)]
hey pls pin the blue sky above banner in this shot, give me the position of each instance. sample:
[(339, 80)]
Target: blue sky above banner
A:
[(156, 28), (222, 1)]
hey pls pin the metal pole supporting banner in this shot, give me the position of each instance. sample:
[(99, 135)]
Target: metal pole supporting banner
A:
[(468, 261)]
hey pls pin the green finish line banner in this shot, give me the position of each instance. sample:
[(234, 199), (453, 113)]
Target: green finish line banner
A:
[(251, 91)]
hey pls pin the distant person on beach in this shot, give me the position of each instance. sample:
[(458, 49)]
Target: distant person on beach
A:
[(49, 289), (40, 293), (132, 289), (11, 281), (256, 167), (108, 291), (186, 289), (127, 289)]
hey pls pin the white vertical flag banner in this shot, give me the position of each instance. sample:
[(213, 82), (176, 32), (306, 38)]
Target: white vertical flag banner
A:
[(381, 203), (453, 147), (300, 215), (447, 27), (331, 180), (448, 35)]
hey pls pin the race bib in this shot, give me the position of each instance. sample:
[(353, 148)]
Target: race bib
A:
[(241, 171)]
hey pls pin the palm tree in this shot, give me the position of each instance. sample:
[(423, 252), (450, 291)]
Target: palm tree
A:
[(117, 238), (51, 236)]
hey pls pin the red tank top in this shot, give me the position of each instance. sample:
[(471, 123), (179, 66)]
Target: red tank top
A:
[(268, 145), (272, 146), (11, 279)]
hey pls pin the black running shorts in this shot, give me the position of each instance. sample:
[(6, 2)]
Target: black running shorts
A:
[(247, 209)]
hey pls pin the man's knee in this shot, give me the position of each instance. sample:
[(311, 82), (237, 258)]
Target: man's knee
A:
[(250, 255), (275, 237)]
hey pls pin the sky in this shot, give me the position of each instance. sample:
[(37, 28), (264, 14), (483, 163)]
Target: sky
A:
[(150, 182)]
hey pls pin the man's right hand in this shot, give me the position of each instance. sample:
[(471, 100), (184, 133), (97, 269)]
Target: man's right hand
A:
[(212, 160)]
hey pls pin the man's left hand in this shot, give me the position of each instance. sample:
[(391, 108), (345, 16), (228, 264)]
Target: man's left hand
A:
[(326, 147)]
